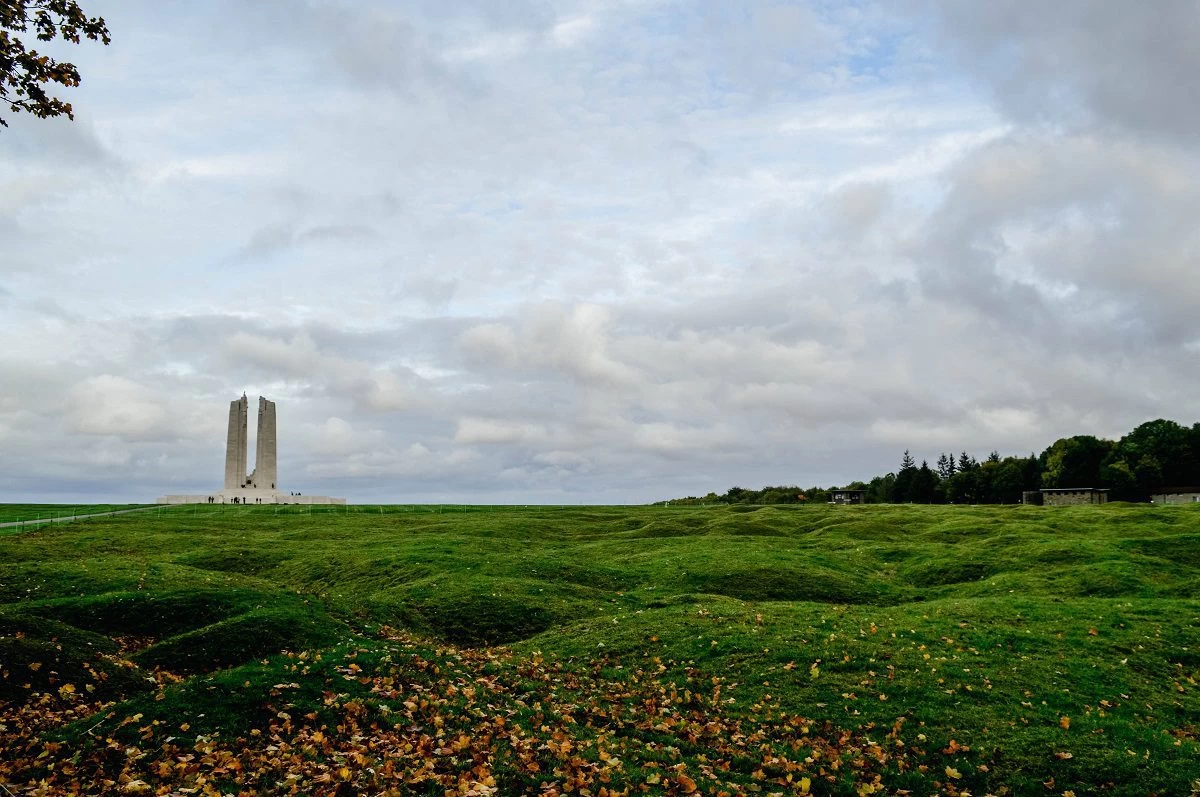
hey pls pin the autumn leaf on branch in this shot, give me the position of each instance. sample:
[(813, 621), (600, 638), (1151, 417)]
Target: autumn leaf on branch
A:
[(24, 72)]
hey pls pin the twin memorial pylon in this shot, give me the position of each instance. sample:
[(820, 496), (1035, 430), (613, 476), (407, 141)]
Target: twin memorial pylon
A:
[(260, 485), (265, 470)]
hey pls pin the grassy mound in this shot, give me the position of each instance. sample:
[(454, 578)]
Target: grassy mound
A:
[(161, 614), (791, 583), (263, 632), (39, 656), (488, 611), (244, 560)]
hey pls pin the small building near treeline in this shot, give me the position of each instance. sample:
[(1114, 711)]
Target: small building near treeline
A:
[(1073, 496), (848, 496), (1176, 495)]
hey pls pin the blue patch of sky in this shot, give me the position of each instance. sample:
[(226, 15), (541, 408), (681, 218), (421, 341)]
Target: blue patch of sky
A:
[(876, 60)]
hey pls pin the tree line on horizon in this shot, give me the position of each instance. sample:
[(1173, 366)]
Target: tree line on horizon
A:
[(1157, 454)]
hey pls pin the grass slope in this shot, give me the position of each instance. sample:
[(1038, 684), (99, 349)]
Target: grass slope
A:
[(833, 650), (17, 513)]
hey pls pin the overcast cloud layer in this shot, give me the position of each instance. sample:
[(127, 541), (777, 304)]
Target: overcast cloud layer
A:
[(597, 251)]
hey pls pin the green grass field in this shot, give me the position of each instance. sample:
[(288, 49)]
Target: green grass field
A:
[(604, 651), (13, 513)]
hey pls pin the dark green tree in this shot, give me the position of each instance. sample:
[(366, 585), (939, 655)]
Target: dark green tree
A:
[(1148, 474), (1075, 462), (945, 467), (780, 495), (736, 495), (984, 483), (902, 492), (924, 488), (1119, 477), (1007, 479), (960, 488), (881, 490), (25, 72), (1032, 473), (816, 495), (1160, 454)]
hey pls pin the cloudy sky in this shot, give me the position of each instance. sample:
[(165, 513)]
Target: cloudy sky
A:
[(597, 251)]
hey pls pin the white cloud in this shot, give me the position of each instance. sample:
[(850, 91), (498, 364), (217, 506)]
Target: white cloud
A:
[(113, 405), (490, 47), (487, 431), (573, 341), (570, 32), (338, 437), (561, 459), (673, 440)]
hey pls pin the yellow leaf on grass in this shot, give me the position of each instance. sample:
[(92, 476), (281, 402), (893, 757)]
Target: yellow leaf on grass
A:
[(953, 773), (1065, 722), (805, 785)]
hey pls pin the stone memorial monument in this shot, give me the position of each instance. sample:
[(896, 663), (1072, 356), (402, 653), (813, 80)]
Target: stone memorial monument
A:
[(260, 485)]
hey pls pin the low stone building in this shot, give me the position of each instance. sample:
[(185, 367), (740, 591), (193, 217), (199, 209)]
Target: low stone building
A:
[(1176, 495), (1071, 496), (848, 497)]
